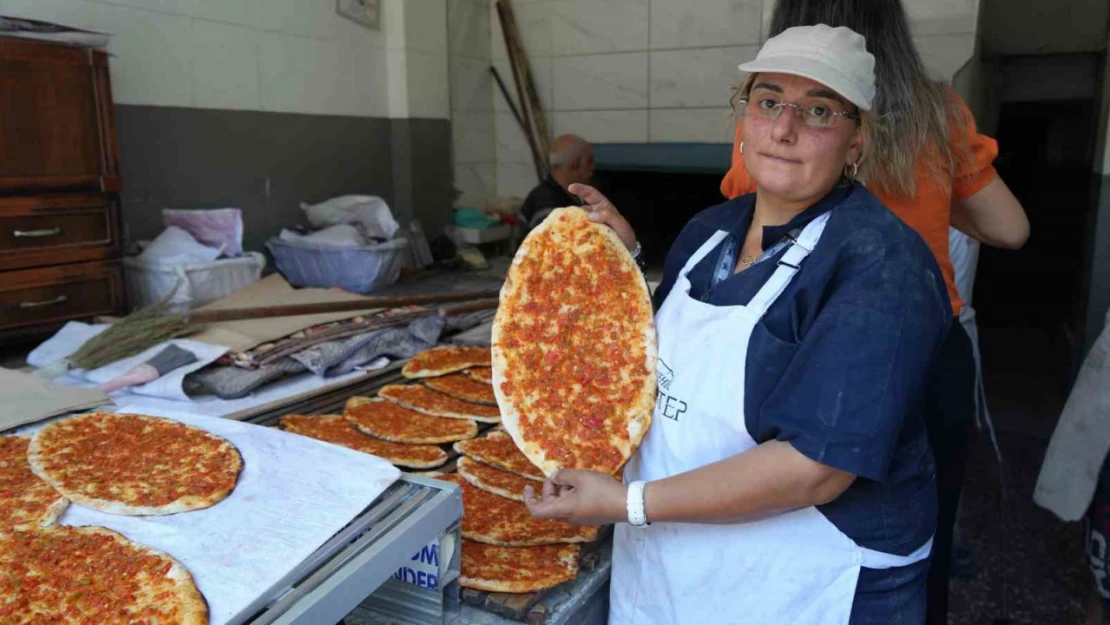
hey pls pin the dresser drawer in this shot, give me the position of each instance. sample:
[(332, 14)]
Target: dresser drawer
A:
[(53, 294), (52, 230)]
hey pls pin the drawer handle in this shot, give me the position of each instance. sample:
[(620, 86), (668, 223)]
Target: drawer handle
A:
[(34, 234), (61, 299)]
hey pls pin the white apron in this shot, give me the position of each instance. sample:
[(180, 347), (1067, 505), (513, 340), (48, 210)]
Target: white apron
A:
[(794, 568)]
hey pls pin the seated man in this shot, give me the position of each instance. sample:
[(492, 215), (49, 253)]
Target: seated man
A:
[(572, 160)]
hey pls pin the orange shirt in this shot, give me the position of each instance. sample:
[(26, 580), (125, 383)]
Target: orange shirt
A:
[(929, 213)]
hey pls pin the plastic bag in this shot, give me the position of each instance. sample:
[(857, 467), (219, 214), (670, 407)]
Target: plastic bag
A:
[(175, 246), (368, 212), (215, 227), (342, 235)]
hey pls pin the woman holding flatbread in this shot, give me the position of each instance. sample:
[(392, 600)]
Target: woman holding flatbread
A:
[(797, 325)]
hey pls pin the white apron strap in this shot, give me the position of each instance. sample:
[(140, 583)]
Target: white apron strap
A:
[(788, 265), (878, 560), (703, 251)]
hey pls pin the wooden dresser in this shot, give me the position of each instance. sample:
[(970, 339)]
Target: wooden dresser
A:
[(59, 182)]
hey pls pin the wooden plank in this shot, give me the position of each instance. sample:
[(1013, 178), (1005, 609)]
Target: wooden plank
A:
[(538, 160), (534, 102)]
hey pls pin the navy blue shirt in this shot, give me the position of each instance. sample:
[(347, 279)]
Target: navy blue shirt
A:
[(837, 365)]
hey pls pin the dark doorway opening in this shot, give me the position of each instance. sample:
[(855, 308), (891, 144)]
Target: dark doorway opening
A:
[(658, 204), (1031, 303)]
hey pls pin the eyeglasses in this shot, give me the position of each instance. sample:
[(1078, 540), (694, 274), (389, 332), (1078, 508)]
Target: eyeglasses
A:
[(812, 115)]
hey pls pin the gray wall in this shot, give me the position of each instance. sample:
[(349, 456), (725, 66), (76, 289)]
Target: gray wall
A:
[(423, 172), (268, 163)]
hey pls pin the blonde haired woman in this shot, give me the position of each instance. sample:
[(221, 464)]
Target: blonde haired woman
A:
[(927, 162), (798, 324)]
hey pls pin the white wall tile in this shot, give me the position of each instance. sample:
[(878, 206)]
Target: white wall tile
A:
[(393, 23), (473, 137), (314, 18), (397, 82), (541, 69), (150, 63), (515, 179), (944, 55), (696, 78), (704, 23), (224, 69), (76, 13), (234, 11), (599, 26), (364, 81), (300, 75), (765, 23), (604, 126), (429, 94), (535, 26), (477, 183), (512, 145), (601, 82), (497, 41), (174, 7), (943, 16), (709, 125), (470, 84), (426, 25), (468, 29)]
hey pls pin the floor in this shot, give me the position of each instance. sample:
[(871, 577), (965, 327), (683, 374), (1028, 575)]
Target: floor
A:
[(1030, 565)]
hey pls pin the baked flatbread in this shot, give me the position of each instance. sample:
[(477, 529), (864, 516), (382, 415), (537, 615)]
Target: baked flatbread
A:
[(134, 464), (517, 569), (495, 520), (443, 360), (26, 502), (423, 399), (78, 575), (388, 421), (497, 449), (336, 430), (481, 374), (496, 481), (574, 349), (462, 386)]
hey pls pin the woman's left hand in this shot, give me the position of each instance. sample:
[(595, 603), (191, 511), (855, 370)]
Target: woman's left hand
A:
[(579, 498)]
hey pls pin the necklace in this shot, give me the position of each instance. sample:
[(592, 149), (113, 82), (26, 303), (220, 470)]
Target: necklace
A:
[(748, 260)]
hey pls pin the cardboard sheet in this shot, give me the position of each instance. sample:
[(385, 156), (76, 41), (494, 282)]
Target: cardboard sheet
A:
[(293, 495), (271, 291), (27, 399)]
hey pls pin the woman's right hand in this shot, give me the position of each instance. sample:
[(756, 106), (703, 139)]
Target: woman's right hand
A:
[(602, 211)]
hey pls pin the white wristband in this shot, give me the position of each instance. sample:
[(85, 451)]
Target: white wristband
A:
[(637, 517)]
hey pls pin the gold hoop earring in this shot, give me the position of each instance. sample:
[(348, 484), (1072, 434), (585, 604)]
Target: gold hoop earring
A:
[(741, 147), (851, 172)]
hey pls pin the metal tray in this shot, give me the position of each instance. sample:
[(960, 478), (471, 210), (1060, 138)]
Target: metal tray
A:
[(361, 557)]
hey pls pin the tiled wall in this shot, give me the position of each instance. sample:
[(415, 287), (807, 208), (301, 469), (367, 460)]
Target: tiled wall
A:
[(294, 56), (660, 71), (416, 40), (263, 104), (473, 145)]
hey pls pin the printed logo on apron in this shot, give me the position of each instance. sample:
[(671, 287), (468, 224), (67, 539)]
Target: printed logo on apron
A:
[(667, 405)]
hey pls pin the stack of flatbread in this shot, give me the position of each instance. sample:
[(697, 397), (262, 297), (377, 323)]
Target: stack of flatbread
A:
[(447, 397), (450, 393), (120, 464), (504, 549)]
